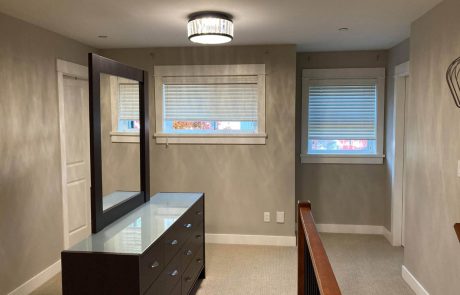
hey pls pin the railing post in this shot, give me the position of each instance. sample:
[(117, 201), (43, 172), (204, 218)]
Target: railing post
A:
[(301, 250)]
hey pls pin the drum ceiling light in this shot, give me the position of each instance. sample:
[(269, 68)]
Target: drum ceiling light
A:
[(210, 28)]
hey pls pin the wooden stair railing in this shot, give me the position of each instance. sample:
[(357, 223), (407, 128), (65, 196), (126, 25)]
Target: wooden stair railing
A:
[(315, 275)]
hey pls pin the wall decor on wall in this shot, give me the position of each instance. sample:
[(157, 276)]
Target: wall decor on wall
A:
[(453, 80)]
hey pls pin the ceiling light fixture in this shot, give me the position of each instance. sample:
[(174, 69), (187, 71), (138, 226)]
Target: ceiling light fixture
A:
[(210, 28), (344, 29)]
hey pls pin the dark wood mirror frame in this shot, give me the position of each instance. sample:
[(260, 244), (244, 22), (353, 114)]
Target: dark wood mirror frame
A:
[(100, 65)]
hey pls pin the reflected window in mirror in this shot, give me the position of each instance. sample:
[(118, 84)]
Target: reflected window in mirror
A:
[(125, 109)]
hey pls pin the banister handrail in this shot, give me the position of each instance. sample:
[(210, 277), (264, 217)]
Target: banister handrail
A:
[(315, 274), (457, 230)]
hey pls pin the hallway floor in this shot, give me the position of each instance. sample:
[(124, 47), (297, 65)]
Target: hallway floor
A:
[(363, 264)]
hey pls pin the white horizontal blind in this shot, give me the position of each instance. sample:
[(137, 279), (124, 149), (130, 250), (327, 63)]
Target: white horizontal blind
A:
[(128, 103), (211, 102), (347, 111)]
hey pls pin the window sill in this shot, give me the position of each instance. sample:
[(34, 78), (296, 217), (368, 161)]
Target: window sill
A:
[(237, 139), (342, 159), (124, 137)]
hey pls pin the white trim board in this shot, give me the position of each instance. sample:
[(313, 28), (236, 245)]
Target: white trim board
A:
[(413, 283), (260, 240), (396, 164), (38, 280), (351, 229)]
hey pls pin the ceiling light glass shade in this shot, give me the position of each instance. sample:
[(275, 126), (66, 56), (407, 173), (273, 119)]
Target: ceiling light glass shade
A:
[(210, 29)]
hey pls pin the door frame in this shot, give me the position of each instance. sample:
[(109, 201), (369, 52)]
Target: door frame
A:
[(69, 69), (401, 88)]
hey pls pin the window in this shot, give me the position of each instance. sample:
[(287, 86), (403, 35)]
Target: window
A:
[(125, 110), (210, 104), (128, 107), (342, 117)]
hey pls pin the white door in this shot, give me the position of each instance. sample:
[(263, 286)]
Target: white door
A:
[(76, 180), (403, 236)]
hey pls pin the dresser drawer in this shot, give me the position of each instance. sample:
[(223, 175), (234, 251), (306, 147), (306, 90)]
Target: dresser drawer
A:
[(198, 235), (168, 279), (151, 264), (177, 290), (189, 251), (198, 211), (191, 273)]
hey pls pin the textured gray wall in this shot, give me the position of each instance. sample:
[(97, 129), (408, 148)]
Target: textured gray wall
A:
[(30, 201), (240, 181), (396, 56), (432, 188), (340, 194)]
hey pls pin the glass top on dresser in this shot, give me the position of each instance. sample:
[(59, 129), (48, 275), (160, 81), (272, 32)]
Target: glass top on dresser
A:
[(137, 230)]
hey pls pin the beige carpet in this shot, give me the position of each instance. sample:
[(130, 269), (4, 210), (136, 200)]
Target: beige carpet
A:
[(364, 265)]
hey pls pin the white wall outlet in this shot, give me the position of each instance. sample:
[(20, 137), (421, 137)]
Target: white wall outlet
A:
[(266, 216), (280, 216), (458, 169)]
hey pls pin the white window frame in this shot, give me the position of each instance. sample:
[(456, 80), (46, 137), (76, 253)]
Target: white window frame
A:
[(344, 74), (208, 74), (115, 135)]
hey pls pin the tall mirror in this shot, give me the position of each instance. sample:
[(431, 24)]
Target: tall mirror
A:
[(119, 139)]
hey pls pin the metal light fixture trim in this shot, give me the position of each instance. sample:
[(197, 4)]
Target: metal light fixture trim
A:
[(210, 28)]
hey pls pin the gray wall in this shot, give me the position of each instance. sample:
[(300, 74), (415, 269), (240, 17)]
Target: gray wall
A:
[(432, 188), (240, 181), (340, 194), (396, 56), (30, 201)]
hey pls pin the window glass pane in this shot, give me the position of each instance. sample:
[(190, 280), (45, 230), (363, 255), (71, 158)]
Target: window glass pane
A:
[(209, 127), (342, 146), (128, 125)]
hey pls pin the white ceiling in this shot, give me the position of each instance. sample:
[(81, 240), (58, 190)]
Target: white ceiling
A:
[(311, 24)]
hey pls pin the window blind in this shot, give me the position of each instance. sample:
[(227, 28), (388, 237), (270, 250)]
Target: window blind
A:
[(128, 103), (211, 102), (342, 112)]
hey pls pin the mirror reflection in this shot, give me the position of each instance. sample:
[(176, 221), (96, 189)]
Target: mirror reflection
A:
[(120, 149)]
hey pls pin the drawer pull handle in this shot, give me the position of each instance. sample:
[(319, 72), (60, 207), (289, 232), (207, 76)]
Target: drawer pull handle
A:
[(188, 225), (174, 273), (188, 279), (174, 242), (198, 237), (155, 264), (199, 212), (188, 253), (199, 260)]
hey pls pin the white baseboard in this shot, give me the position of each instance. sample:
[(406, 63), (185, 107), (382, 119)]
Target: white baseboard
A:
[(413, 283), (388, 235), (38, 280), (251, 240), (351, 229)]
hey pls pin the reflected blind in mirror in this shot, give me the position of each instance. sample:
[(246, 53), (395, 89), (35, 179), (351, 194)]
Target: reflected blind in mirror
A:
[(128, 104)]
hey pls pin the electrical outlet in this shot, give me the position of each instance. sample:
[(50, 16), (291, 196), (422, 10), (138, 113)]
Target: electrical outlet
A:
[(280, 216), (266, 216), (458, 169)]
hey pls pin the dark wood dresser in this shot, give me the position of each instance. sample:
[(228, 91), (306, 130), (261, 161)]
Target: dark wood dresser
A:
[(156, 249)]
